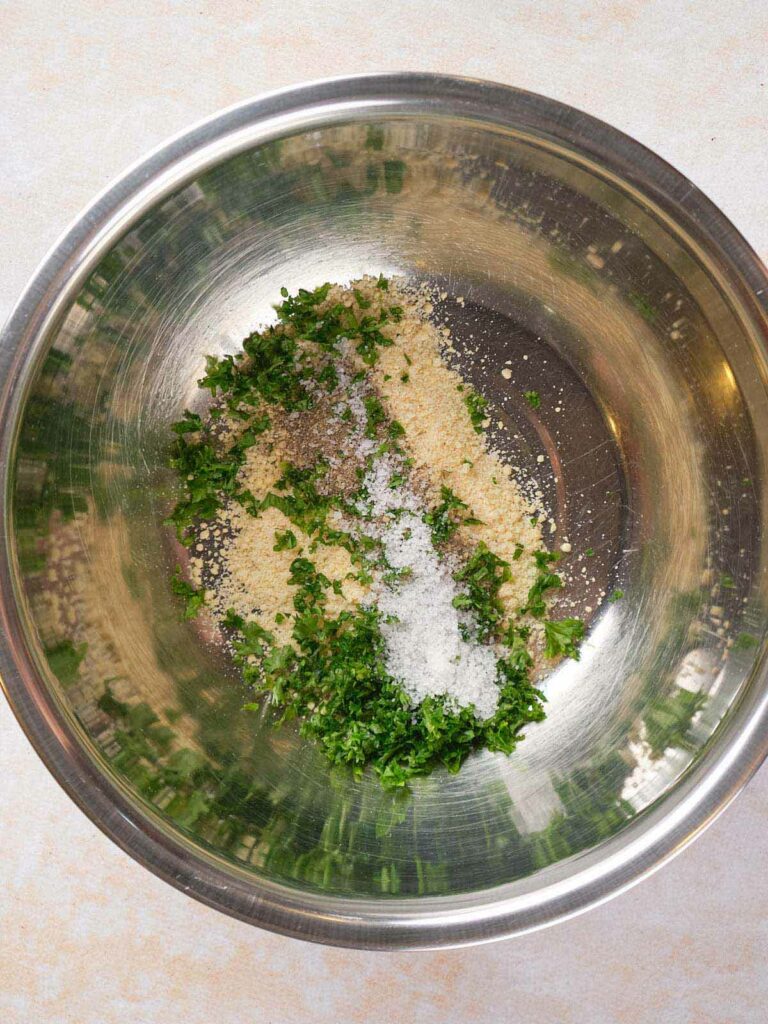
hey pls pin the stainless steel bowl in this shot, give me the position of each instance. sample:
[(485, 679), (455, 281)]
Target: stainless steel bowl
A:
[(642, 314)]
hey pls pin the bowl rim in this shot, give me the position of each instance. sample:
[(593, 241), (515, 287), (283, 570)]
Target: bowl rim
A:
[(741, 742)]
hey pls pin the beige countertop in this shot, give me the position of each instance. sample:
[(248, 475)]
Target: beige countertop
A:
[(86, 935)]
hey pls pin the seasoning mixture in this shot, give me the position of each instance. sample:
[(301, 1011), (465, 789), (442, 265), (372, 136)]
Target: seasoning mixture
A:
[(374, 567)]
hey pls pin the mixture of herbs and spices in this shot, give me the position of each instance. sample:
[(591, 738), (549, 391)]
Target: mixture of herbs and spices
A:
[(374, 567)]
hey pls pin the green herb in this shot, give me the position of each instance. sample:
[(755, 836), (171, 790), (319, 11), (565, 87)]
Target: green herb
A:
[(545, 580), (519, 549), (335, 682), (393, 576), (543, 559), (285, 540), (375, 415), (727, 581), (193, 599), (302, 503), (563, 638), (189, 423), (311, 586), (371, 340), (329, 376), (532, 398), (404, 377), (251, 643), (477, 407), (382, 283), (445, 519), (219, 374), (616, 596), (442, 520), (270, 373), (361, 300), (209, 478), (590, 552), (483, 575)]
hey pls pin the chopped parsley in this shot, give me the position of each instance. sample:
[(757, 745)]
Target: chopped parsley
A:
[(189, 423), (371, 339), (285, 540), (477, 406), (297, 497), (209, 476), (483, 576), (445, 519), (375, 415), (563, 637), (335, 682), (545, 580), (533, 398)]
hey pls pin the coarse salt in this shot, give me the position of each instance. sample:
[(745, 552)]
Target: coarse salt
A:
[(426, 652)]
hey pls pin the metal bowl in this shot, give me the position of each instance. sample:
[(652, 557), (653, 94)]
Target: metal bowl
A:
[(615, 288)]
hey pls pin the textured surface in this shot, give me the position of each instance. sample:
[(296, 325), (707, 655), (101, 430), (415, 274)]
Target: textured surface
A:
[(97, 938)]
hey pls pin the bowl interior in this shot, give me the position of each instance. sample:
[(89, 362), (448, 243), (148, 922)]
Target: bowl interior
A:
[(652, 428)]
